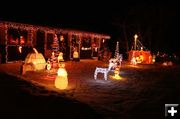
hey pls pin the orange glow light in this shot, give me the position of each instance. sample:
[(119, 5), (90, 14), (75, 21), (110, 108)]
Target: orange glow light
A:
[(116, 74), (61, 81)]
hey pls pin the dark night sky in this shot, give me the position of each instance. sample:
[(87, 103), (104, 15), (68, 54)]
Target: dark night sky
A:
[(156, 22)]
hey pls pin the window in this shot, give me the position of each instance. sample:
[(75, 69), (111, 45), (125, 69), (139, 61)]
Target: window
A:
[(17, 36), (13, 36)]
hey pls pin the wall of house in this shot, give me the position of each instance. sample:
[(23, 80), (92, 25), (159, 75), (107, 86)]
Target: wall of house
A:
[(15, 36)]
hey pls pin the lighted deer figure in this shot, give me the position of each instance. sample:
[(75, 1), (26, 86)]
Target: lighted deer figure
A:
[(114, 62), (101, 70)]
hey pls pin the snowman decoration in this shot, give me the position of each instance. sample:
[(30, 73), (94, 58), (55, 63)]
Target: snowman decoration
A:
[(61, 81)]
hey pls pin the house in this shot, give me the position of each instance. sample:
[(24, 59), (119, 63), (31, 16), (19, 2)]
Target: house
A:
[(17, 40)]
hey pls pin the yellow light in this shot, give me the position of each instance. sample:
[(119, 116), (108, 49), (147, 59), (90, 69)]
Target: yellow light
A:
[(61, 38), (61, 81), (60, 57), (117, 77), (135, 36), (154, 59), (135, 39), (116, 74), (75, 54), (52, 53), (141, 58), (62, 72)]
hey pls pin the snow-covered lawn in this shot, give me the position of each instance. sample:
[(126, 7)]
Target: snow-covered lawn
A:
[(142, 92)]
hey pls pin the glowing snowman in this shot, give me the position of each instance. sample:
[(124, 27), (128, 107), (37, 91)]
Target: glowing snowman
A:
[(61, 81)]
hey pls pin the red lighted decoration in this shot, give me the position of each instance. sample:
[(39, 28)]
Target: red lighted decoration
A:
[(143, 57)]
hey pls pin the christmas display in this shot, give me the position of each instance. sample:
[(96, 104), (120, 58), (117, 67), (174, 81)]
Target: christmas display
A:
[(116, 74), (101, 70), (55, 46), (61, 81), (53, 60), (26, 35), (34, 61), (139, 54), (117, 60), (133, 60), (117, 51)]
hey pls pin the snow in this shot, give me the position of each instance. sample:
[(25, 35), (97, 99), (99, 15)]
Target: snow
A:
[(142, 92)]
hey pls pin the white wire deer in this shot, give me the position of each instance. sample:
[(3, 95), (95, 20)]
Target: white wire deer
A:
[(114, 62)]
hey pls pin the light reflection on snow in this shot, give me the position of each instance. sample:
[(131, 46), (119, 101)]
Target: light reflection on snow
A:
[(102, 81)]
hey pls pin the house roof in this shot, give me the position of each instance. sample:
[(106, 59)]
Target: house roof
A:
[(54, 29)]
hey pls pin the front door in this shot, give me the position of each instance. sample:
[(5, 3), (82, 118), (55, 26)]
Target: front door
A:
[(86, 49)]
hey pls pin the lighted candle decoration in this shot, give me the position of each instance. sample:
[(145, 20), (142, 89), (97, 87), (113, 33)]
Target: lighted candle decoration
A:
[(61, 81)]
